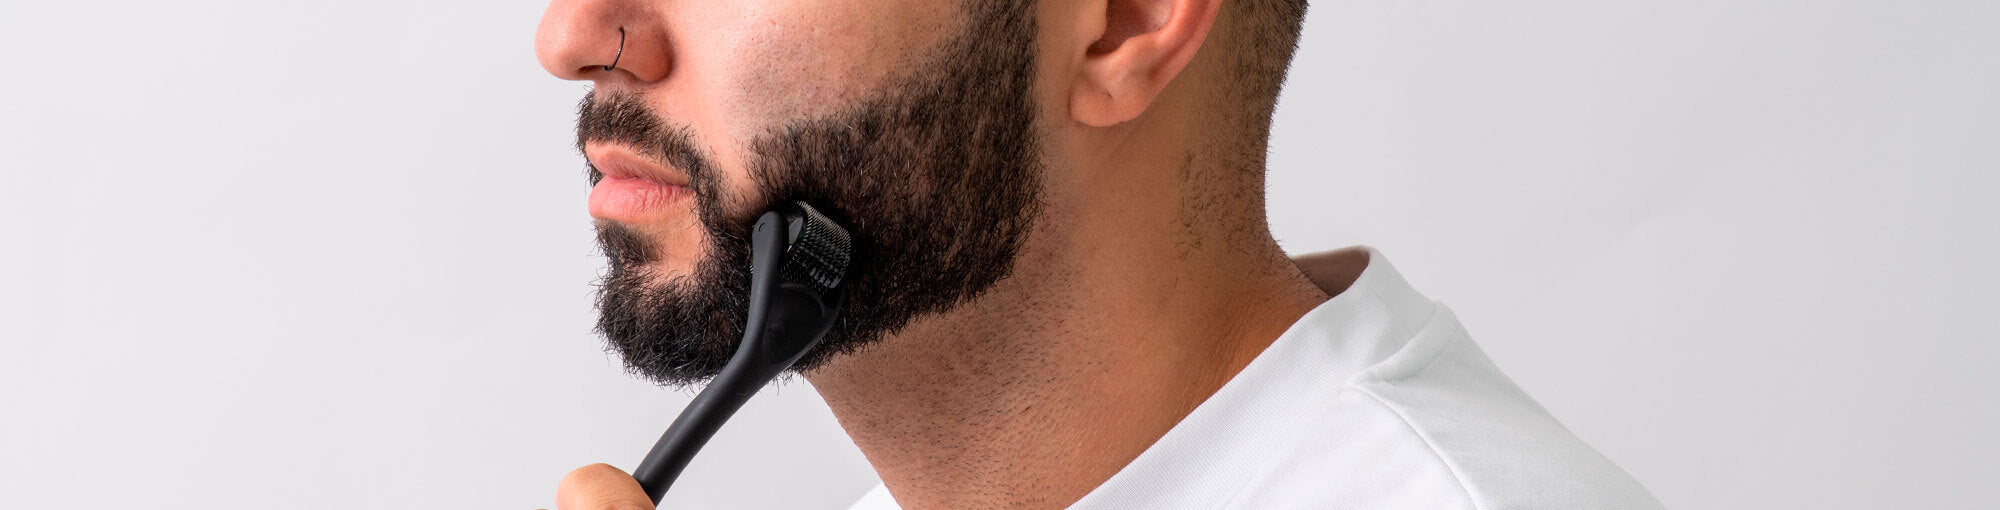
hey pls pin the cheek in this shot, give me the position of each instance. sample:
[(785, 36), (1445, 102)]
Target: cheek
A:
[(789, 59), (784, 76), (749, 66)]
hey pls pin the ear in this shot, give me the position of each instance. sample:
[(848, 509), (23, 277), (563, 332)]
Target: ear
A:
[(1142, 45)]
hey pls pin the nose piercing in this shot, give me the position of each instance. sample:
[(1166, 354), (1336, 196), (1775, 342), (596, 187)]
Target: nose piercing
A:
[(621, 50)]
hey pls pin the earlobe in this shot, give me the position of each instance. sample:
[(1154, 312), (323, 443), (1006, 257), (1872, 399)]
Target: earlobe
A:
[(1144, 45), (1115, 92), (1097, 107)]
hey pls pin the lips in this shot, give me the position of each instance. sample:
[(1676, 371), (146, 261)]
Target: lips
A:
[(633, 188)]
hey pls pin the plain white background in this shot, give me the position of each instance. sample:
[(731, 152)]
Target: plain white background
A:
[(335, 255)]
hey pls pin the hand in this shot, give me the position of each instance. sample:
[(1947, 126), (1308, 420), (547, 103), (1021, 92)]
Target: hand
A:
[(601, 487)]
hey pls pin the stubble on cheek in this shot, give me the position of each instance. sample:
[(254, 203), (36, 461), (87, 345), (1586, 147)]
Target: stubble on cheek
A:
[(811, 63)]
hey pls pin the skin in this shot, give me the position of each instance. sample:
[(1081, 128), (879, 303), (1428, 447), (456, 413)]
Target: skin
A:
[(1150, 279)]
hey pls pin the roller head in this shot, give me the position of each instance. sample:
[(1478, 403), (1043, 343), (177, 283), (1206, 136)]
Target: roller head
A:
[(817, 251)]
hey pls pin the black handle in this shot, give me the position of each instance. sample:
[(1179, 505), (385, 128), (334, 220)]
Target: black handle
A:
[(786, 320)]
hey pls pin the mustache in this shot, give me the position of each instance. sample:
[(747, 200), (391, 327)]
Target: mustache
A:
[(623, 118)]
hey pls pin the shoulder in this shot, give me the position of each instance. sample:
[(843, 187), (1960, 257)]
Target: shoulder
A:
[(1464, 422)]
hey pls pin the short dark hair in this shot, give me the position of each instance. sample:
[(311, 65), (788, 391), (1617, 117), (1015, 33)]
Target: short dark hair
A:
[(1270, 36), (1226, 170)]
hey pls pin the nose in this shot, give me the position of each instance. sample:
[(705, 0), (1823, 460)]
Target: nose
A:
[(578, 38)]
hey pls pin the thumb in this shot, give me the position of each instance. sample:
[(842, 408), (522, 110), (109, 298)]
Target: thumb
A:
[(601, 487)]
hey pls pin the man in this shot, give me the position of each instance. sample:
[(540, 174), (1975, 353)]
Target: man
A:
[(1065, 293)]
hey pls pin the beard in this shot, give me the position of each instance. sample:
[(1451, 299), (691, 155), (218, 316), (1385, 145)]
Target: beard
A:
[(937, 177)]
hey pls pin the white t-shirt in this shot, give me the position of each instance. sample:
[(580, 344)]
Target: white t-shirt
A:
[(1375, 399)]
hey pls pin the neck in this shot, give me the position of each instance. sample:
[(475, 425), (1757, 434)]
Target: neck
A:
[(1112, 327)]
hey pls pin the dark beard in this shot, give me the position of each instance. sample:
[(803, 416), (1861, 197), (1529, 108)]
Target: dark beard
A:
[(938, 177)]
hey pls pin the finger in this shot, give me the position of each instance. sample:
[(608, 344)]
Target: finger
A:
[(601, 487)]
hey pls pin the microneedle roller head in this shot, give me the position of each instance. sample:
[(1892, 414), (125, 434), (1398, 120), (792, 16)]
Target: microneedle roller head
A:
[(817, 251)]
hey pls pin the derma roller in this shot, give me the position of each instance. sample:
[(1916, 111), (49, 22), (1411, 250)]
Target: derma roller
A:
[(797, 259)]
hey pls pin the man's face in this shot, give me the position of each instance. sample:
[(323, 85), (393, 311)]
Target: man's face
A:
[(912, 125)]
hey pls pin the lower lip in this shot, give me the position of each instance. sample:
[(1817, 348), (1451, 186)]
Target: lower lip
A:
[(630, 199)]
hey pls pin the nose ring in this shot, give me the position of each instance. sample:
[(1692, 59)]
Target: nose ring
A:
[(621, 50)]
